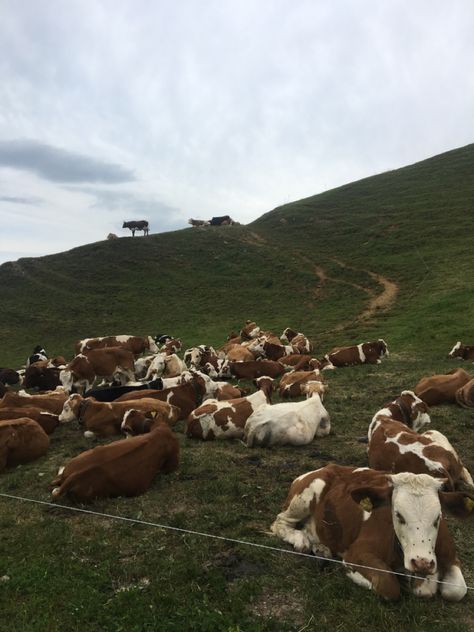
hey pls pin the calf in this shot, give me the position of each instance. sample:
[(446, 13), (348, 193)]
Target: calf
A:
[(398, 524), (21, 440), (441, 389), (52, 402), (292, 384), (365, 353), (396, 448), (465, 395), (224, 419), (295, 423), (103, 419), (136, 344), (257, 368), (465, 352), (408, 408), (109, 363), (122, 468)]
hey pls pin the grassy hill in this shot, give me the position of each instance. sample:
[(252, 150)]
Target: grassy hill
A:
[(389, 256)]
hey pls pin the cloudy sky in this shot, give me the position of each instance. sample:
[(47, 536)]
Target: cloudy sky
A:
[(169, 109)]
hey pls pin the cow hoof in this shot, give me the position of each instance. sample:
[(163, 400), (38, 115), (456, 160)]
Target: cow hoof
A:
[(61, 470), (56, 491), (89, 435)]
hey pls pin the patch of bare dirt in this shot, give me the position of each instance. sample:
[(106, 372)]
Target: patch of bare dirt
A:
[(283, 606)]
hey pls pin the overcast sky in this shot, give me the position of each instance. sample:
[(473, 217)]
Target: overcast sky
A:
[(113, 110)]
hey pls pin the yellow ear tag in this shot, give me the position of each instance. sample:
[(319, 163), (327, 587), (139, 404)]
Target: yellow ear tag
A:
[(366, 504), (469, 504), (153, 414)]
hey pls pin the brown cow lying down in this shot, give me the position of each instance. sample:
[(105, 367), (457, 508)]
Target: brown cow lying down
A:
[(441, 389), (408, 408), (21, 440), (365, 353), (48, 421), (291, 384), (465, 395), (396, 448), (136, 344), (258, 368), (122, 468), (51, 402), (301, 362), (103, 419), (223, 419), (466, 352), (398, 525)]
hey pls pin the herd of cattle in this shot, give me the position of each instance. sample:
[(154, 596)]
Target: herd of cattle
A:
[(384, 517)]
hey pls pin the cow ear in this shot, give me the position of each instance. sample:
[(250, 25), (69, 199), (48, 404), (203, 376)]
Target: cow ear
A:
[(459, 504), (153, 414), (371, 497)]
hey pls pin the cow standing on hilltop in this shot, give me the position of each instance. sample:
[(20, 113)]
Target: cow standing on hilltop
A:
[(140, 225)]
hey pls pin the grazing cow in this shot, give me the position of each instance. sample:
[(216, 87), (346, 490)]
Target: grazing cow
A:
[(398, 524), (249, 331), (51, 402), (396, 448), (223, 220), (465, 352), (38, 354), (136, 344), (9, 376), (48, 421), (122, 468), (198, 222), (407, 408), (21, 440), (109, 363), (441, 389), (42, 377), (185, 397), (223, 419), (465, 395), (257, 368), (137, 225), (295, 423), (111, 393), (365, 353), (103, 419), (292, 384)]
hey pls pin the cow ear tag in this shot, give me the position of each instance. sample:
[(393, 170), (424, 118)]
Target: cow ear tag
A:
[(366, 504), (154, 414), (469, 504)]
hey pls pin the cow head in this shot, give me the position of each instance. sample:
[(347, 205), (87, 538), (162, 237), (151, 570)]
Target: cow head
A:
[(70, 411), (288, 335), (251, 330), (383, 349), (192, 357), (135, 422), (265, 384), (456, 351), (419, 416)]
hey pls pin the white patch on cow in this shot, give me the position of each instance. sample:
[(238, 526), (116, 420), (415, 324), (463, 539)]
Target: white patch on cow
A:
[(55, 492), (361, 469), (81, 355), (89, 434), (359, 579), (425, 588), (361, 353), (23, 393), (455, 348), (417, 449), (385, 351), (152, 345), (61, 470), (416, 512), (441, 440), (366, 515), (300, 478), (123, 338), (457, 591)]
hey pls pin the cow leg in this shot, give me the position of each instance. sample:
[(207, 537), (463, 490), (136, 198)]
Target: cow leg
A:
[(384, 584), (455, 587), (425, 587)]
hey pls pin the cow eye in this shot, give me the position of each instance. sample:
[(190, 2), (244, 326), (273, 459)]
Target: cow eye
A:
[(436, 522), (400, 518)]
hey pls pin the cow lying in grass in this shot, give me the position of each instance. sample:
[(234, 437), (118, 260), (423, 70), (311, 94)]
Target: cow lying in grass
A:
[(122, 468), (465, 396), (21, 440), (465, 352), (408, 408), (441, 389), (398, 525), (365, 353)]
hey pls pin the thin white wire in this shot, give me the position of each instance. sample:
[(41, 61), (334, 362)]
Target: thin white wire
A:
[(220, 537)]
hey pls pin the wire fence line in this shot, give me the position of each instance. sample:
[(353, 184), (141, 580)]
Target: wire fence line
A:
[(222, 538)]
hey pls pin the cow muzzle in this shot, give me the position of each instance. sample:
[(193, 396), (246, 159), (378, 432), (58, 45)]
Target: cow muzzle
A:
[(422, 566)]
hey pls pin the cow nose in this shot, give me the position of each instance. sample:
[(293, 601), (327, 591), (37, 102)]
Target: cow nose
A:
[(423, 566)]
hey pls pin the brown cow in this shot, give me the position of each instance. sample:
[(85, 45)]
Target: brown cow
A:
[(441, 389), (258, 368), (48, 421), (398, 525), (103, 419), (186, 397), (51, 402), (365, 353), (301, 362), (261, 348), (136, 344), (122, 468), (110, 363), (42, 377), (292, 383), (21, 440), (465, 352), (465, 395), (239, 353), (297, 340)]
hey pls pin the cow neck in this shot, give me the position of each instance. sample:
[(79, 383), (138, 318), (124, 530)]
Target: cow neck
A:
[(197, 391), (82, 409), (405, 411)]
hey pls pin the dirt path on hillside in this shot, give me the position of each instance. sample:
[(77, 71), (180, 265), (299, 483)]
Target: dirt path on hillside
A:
[(377, 301)]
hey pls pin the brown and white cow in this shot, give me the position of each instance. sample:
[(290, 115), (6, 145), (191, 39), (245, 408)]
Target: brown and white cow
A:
[(48, 421), (293, 423), (297, 340), (198, 357), (103, 419), (465, 352), (465, 395), (261, 348), (292, 384), (398, 524), (250, 330), (21, 440), (396, 448), (257, 368), (301, 362), (51, 402), (173, 345), (365, 353), (122, 468), (441, 389), (136, 344), (109, 363), (407, 408), (223, 419)]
